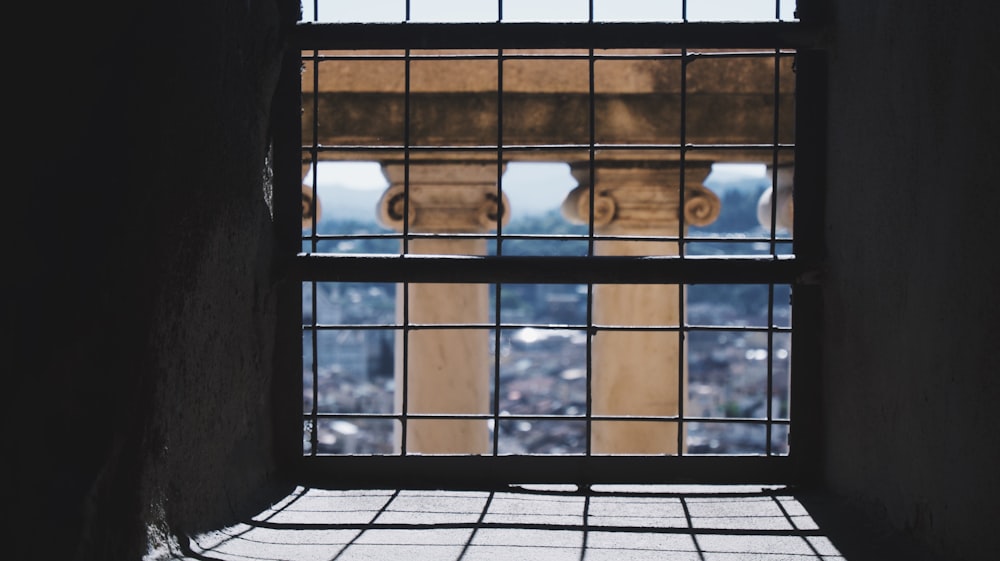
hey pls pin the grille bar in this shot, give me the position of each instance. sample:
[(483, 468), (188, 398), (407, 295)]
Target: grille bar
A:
[(330, 364), (542, 417), (451, 472), (593, 328), (551, 270)]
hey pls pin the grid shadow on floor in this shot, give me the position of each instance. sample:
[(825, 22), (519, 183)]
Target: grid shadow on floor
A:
[(691, 523)]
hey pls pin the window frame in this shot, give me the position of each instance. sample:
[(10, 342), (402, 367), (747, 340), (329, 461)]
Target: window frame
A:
[(801, 271)]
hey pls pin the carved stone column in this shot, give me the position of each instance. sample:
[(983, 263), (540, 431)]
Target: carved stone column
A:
[(447, 370), (635, 373)]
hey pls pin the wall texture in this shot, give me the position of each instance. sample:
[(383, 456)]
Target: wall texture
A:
[(141, 312), (911, 307)]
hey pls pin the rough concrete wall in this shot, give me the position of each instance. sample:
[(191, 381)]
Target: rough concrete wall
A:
[(142, 308), (911, 388)]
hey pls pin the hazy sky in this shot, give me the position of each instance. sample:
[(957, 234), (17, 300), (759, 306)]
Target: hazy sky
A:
[(532, 187), (546, 10)]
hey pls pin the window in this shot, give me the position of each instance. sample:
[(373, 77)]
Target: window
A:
[(543, 251)]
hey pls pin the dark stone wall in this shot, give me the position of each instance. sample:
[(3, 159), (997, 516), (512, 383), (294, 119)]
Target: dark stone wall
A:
[(140, 300), (911, 305), (141, 306)]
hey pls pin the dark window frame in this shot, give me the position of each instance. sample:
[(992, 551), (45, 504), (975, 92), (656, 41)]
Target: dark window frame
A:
[(801, 271)]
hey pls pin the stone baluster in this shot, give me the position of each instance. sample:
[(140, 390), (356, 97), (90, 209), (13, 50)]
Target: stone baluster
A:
[(635, 373), (447, 370)]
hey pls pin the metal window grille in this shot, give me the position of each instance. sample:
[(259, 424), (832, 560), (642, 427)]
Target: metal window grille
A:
[(639, 112)]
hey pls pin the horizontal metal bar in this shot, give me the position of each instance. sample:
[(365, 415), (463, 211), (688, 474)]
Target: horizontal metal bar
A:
[(553, 55), (761, 147), (547, 237), (456, 472), (353, 36), (549, 270), (580, 327), (542, 417)]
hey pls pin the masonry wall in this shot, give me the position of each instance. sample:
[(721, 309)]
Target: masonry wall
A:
[(140, 296), (141, 308), (911, 388)]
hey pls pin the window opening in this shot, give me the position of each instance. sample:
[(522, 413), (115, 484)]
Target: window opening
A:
[(523, 11), (569, 254)]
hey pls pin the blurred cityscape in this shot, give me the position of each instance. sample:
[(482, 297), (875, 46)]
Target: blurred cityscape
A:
[(738, 369)]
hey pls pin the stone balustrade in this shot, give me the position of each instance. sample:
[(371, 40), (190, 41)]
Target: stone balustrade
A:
[(433, 136)]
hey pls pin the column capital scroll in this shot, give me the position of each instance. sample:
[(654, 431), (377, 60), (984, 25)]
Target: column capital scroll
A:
[(641, 198), (443, 198)]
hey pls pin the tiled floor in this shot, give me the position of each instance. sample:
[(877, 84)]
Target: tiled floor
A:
[(550, 524)]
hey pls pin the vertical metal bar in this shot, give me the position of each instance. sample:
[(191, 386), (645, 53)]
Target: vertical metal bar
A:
[(499, 250), (776, 122), (589, 351), (496, 369), (286, 385), (314, 341), (773, 217), (314, 152), (407, 63), (591, 137), (806, 441), (313, 247), (501, 211), (681, 226), (405, 364), (770, 367), (810, 153), (404, 245), (591, 171)]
